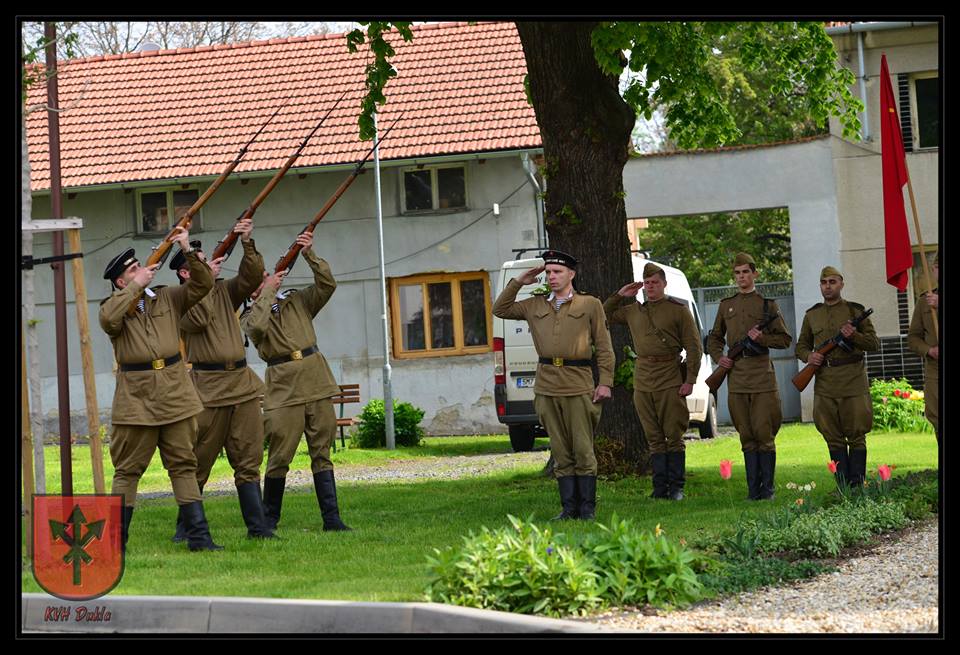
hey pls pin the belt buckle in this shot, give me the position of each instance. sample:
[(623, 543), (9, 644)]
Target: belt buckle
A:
[(296, 355), (558, 361), (230, 366), (158, 364)]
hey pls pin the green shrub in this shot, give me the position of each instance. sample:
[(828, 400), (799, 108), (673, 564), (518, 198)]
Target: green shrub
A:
[(371, 428), (897, 407), (733, 576), (639, 568), (524, 569)]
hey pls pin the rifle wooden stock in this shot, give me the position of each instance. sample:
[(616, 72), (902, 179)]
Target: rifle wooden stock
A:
[(290, 257), (736, 351), (227, 244), (802, 379)]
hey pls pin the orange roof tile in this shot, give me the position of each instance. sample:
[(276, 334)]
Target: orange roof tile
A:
[(186, 113)]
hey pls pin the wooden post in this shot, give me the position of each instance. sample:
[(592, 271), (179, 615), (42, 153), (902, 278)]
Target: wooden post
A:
[(26, 442), (923, 253), (89, 377)]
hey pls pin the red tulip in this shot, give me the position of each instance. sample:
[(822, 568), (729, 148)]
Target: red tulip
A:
[(832, 465), (726, 469), (884, 472)]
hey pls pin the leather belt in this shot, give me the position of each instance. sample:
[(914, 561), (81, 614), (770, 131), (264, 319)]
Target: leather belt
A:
[(560, 361), (842, 361), (155, 365), (295, 355), (748, 353), (229, 366), (658, 359)]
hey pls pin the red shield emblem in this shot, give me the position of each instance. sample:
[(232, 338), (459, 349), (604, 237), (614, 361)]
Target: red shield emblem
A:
[(77, 547)]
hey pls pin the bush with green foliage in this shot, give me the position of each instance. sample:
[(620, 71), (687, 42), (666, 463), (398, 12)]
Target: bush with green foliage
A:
[(735, 575), (371, 429), (898, 407), (525, 569)]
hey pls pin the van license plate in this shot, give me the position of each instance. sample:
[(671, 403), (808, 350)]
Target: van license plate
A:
[(526, 383)]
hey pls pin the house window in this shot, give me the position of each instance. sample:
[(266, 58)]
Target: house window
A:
[(156, 206), (440, 315), (926, 110), (434, 188)]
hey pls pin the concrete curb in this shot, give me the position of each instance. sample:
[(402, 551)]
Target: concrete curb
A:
[(187, 614)]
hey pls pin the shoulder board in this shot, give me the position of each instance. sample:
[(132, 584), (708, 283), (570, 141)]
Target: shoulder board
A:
[(819, 304), (733, 297), (159, 286), (677, 301), (857, 305), (106, 299)]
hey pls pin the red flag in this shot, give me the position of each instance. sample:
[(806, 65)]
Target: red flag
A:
[(899, 253)]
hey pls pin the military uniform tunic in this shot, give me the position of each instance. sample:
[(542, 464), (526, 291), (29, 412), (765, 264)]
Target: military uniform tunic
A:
[(298, 391), (920, 339), (660, 330), (156, 407), (563, 396), (752, 393), (842, 408), (231, 398)]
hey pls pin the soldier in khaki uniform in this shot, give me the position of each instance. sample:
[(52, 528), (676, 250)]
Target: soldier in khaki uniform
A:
[(229, 390), (299, 384), (752, 394), (154, 405), (922, 339), (661, 328), (842, 408), (566, 326)]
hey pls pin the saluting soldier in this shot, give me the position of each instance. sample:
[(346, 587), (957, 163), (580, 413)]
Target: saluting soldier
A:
[(752, 393), (922, 339), (299, 384), (229, 390), (566, 327), (842, 407), (662, 327), (154, 405)]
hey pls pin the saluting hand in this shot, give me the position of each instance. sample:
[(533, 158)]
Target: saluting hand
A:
[(630, 290), (530, 277)]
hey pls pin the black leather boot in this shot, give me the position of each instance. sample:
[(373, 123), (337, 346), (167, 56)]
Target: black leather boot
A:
[(273, 500), (768, 464), (858, 467), (840, 457), (326, 488), (587, 492), (751, 465), (676, 474), (181, 532), (658, 462), (198, 532), (568, 498), (126, 517), (251, 508)]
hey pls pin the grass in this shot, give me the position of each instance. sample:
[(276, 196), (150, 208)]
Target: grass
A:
[(398, 524)]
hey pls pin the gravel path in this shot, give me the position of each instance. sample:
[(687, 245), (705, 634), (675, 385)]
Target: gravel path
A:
[(893, 587)]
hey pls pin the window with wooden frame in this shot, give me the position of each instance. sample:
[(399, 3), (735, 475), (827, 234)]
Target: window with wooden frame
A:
[(155, 207), (434, 188), (441, 315), (925, 103)]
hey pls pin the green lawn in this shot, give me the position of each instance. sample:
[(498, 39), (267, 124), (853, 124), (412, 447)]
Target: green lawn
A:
[(397, 524)]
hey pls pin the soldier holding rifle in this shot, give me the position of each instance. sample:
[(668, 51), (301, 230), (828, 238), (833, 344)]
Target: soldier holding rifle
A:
[(842, 408), (753, 397)]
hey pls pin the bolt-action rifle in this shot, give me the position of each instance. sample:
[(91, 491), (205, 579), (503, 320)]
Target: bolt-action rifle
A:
[(736, 352), (802, 379), (290, 257), (226, 245)]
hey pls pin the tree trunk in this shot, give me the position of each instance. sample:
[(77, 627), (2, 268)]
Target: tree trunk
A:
[(586, 127)]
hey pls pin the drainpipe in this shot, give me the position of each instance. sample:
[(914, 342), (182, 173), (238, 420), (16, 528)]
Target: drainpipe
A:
[(541, 232), (865, 126)]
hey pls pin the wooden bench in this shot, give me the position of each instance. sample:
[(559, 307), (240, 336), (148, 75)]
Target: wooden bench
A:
[(349, 393)]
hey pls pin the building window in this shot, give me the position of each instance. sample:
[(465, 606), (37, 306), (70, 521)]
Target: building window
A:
[(434, 188), (156, 206), (440, 315), (926, 110)]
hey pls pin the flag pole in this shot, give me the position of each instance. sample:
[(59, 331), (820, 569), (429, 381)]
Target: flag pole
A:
[(923, 252)]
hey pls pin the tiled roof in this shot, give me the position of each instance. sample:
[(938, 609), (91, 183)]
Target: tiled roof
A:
[(186, 113)]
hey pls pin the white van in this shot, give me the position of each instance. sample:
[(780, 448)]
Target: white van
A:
[(515, 359)]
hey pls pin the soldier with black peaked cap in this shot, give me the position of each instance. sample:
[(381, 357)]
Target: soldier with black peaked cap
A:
[(661, 328), (229, 390), (842, 407), (566, 327), (752, 393), (154, 405)]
